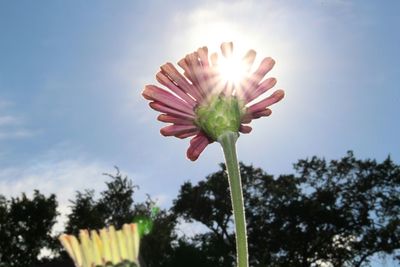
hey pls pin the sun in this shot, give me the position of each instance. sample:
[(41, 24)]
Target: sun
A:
[(232, 70)]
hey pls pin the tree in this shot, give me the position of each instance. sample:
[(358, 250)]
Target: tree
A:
[(366, 196), (209, 203), (157, 247), (25, 228), (115, 205), (338, 213)]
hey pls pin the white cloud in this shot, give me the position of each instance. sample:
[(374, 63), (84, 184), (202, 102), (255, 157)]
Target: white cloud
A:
[(9, 120), (322, 263), (4, 103), (161, 200), (60, 177), (190, 229), (12, 126), (336, 3), (49, 177), (63, 170), (16, 134)]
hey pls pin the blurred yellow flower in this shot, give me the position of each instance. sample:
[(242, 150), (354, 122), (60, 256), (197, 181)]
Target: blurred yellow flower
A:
[(107, 247)]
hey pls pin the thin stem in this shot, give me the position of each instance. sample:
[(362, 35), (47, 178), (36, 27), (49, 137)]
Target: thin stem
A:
[(228, 141)]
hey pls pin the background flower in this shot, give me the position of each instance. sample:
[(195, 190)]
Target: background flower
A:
[(106, 247)]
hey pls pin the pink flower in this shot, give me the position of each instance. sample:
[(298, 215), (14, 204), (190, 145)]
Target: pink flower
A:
[(202, 103)]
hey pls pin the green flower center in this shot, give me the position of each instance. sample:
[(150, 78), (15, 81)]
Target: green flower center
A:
[(219, 115)]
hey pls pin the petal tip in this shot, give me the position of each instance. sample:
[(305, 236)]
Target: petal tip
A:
[(280, 94), (197, 145), (245, 129), (191, 157)]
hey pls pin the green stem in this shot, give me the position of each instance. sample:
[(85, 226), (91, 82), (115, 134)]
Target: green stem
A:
[(228, 141)]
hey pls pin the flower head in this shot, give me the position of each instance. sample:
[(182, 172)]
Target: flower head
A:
[(107, 247), (207, 100)]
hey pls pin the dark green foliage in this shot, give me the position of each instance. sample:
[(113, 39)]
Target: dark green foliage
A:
[(86, 213), (116, 206), (185, 254), (156, 248), (117, 200), (209, 203), (340, 212), (25, 228), (363, 199)]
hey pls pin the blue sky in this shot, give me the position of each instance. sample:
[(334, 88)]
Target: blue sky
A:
[(71, 74)]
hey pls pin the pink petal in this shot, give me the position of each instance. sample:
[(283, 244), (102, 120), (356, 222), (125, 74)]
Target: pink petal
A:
[(227, 49), (197, 145), (214, 59), (262, 88), (249, 58), (191, 77), (172, 130), (263, 113), (186, 135), (174, 119), (193, 66), (250, 84), (197, 73), (246, 118), (182, 63), (164, 109), (173, 74), (203, 55), (245, 129), (265, 66), (152, 92), (161, 78), (228, 88), (272, 99), (207, 71)]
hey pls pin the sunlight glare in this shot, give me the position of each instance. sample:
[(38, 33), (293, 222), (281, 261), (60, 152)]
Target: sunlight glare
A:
[(211, 32), (232, 70)]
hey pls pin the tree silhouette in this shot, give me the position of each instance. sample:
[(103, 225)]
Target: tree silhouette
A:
[(338, 213), (365, 196), (115, 205), (25, 228)]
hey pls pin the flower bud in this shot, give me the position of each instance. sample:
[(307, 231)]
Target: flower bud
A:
[(219, 115)]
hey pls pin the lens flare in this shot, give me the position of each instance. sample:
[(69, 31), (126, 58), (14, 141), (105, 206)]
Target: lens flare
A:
[(232, 70)]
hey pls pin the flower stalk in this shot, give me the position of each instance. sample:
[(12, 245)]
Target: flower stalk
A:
[(228, 143), (205, 105)]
